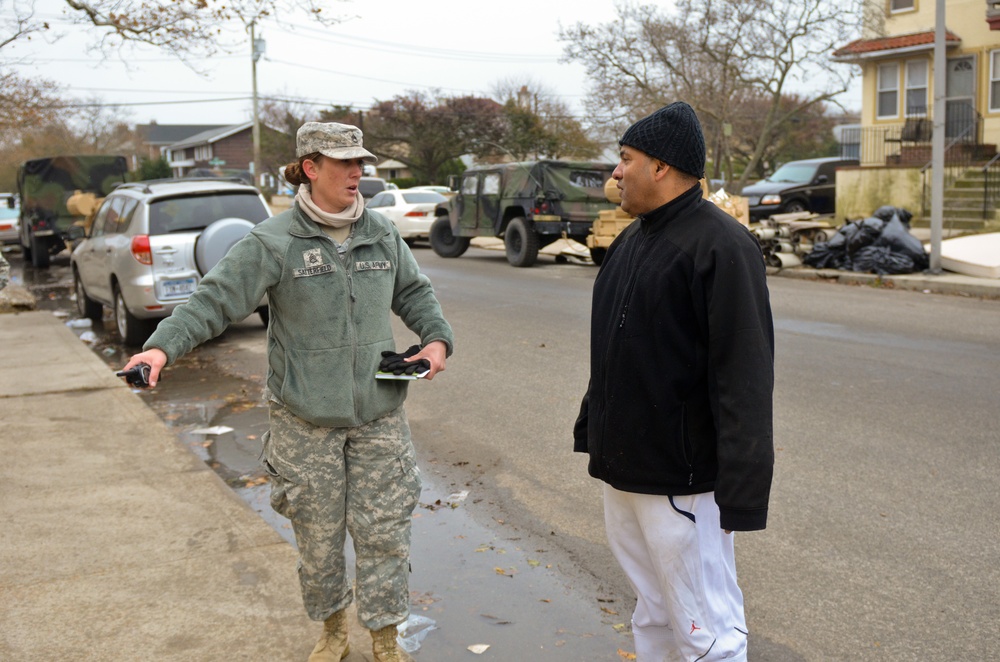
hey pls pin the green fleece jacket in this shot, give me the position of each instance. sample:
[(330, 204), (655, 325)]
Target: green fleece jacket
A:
[(329, 313)]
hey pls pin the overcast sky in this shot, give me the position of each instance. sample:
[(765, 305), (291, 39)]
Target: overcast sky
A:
[(388, 48)]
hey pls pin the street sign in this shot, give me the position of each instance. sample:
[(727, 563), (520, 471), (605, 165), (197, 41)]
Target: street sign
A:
[(216, 162)]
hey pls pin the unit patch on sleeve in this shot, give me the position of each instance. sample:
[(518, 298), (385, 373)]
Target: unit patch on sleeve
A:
[(313, 259), (373, 265)]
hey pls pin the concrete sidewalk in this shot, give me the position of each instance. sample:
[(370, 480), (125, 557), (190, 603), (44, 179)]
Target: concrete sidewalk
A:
[(118, 543)]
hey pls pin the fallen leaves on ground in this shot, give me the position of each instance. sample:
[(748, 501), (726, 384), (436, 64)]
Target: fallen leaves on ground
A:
[(625, 655)]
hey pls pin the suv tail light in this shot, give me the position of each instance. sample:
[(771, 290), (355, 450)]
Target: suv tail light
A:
[(140, 249), (417, 213)]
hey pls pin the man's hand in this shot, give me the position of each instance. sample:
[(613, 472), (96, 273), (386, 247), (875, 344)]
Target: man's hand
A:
[(154, 358)]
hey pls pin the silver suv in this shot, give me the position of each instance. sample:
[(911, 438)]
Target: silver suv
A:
[(150, 244)]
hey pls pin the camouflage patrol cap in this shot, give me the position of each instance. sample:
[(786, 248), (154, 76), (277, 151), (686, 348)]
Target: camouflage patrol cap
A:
[(337, 141), (673, 135)]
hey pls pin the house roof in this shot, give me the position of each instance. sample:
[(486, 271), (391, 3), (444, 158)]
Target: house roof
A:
[(211, 135), (861, 49), (165, 134)]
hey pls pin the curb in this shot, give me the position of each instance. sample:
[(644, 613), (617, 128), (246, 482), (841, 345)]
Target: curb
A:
[(955, 284)]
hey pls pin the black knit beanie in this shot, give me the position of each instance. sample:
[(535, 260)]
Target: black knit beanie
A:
[(673, 135)]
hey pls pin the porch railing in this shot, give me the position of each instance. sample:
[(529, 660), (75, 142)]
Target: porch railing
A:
[(960, 153), (908, 143), (991, 186)]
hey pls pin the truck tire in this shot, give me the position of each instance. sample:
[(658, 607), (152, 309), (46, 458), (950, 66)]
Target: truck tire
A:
[(39, 253), (444, 242), (794, 207), (131, 330), (597, 255), (521, 243)]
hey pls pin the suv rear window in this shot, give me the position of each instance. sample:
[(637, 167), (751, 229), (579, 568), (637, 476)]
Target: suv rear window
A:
[(370, 187), (196, 212)]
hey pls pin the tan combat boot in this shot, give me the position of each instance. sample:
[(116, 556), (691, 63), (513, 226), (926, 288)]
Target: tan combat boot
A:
[(384, 646), (332, 645)]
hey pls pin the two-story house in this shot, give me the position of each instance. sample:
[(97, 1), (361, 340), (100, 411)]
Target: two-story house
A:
[(897, 117)]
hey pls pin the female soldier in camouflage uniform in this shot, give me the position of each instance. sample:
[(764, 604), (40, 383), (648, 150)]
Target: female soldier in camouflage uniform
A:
[(338, 449)]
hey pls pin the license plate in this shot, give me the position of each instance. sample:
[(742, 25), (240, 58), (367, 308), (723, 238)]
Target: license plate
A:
[(178, 288)]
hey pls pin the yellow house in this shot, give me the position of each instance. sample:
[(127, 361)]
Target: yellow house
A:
[(893, 144)]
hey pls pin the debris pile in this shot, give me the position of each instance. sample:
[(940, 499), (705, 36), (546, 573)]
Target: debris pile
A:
[(786, 238), (880, 244)]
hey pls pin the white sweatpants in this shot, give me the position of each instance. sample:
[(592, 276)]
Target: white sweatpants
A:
[(682, 567)]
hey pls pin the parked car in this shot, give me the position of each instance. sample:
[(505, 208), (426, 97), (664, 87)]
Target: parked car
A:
[(411, 210), (808, 185), (443, 190), (370, 186), (9, 212), (151, 242)]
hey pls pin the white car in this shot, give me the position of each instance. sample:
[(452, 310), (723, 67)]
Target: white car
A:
[(443, 190), (411, 210), (9, 212)]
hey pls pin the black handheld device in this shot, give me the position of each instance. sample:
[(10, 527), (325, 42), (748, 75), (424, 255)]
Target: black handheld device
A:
[(137, 375)]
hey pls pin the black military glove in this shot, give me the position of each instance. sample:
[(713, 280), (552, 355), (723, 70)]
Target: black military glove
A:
[(394, 363)]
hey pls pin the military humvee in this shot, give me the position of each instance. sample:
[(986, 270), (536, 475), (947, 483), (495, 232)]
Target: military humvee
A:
[(44, 185), (529, 204)]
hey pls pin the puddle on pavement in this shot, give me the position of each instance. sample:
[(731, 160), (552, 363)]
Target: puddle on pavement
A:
[(478, 585)]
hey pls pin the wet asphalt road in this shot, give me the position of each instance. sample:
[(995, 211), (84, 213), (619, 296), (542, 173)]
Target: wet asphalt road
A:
[(882, 542)]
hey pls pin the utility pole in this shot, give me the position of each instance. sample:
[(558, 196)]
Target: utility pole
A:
[(937, 139), (256, 50)]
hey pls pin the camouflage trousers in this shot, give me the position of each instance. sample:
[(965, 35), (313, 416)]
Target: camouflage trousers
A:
[(330, 481)]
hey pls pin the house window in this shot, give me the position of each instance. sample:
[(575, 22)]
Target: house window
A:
[(888, 91), (916, 88), (203, 153), (995, 81), (901, 5)]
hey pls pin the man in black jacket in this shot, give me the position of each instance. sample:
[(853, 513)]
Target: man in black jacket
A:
[(677, 417)]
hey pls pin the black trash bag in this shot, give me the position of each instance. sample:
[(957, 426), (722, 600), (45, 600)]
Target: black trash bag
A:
[(832, 254), (898, 239), (887, 212), (824, 257), (839, 240), (881, 260), (868, 231)]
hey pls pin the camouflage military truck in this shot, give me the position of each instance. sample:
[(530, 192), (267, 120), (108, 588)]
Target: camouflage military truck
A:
[(529, 204), (44, 185)]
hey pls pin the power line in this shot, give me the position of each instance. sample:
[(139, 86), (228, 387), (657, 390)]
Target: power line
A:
[(413, 49), (369, 78)]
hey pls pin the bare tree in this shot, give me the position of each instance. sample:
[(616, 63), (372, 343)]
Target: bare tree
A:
[(187, 29), (24, 103), (73, 128), (284, 115), (540, 125), (428, 131), (718, 55)]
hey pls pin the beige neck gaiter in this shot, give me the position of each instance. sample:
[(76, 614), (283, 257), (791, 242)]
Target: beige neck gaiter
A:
[(338, 220)]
